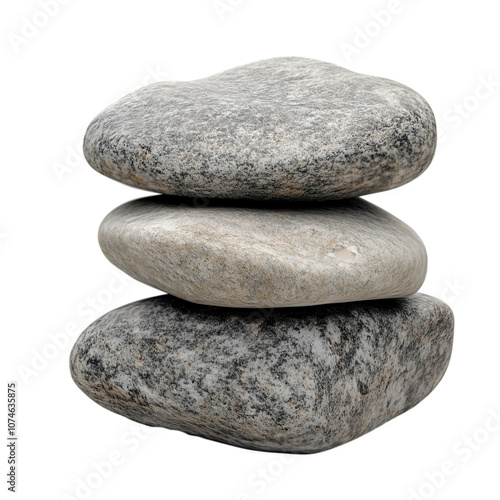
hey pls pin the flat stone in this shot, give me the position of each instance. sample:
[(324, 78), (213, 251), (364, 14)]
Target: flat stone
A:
[(299, 380), (287, 128), (278, 255)]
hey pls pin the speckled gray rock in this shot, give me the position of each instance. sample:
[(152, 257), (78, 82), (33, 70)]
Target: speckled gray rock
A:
[(278, 255), (288, 380), (285, 128)]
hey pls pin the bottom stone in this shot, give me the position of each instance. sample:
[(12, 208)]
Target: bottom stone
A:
[(299, 380)]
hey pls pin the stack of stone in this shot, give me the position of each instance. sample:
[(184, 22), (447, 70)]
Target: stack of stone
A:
[(291, 322)]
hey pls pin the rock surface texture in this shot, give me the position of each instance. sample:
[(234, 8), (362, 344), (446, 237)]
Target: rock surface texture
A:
[(292, 322), (286, 128), (279, 255), (289, 380)]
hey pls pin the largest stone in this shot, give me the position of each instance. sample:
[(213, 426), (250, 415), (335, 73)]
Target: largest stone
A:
[(291, 380), (285, 128)]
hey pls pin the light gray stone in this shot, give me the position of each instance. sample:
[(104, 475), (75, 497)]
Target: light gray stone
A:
[(298, 380), (286, 128), (278, 255)]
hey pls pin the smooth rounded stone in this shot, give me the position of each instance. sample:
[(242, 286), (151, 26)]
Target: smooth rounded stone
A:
[(289, 380), (278, 255), (287, 128)]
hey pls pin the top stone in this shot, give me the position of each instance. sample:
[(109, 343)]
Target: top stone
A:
[(285, 128)]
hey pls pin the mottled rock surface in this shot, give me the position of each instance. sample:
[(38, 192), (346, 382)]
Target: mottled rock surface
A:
[(278, 255), (286, 128), (297, 380)]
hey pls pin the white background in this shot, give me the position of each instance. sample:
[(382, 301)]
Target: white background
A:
[(59, 75)]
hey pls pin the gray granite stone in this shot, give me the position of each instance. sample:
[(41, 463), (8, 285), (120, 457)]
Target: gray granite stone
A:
[(286, 128), (298, 380), (278, 255)]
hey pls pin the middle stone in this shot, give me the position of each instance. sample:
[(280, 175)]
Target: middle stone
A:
[(232, 254)]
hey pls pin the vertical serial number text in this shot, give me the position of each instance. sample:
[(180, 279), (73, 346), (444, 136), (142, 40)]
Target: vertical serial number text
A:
[(11, 436)]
